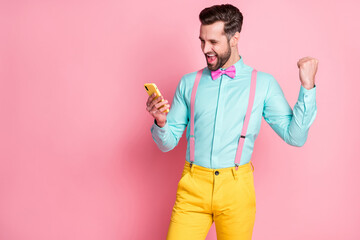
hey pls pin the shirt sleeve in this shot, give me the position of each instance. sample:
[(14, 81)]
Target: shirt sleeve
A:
[(168, 137), (291, 125)]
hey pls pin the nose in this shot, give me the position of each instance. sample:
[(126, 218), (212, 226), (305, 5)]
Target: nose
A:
[(207, 48)]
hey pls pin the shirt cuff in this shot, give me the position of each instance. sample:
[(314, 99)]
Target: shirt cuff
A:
[(307, 96), (161, 129)]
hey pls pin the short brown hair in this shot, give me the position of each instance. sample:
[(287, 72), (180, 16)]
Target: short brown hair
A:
[(229, 14)]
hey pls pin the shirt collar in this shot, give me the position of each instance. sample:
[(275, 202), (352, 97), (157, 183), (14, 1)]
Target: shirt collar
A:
[(239, 65)]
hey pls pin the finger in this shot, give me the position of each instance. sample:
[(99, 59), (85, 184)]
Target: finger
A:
[(149, 104), (315, 60), (156, 101), (156, 107), (164, 108), (161, 103), (153, 110), (302, 61), (149, 109), (153, 102), (150, 98)]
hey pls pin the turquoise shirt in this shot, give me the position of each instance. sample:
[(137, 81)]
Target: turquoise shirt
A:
[(220, 108)]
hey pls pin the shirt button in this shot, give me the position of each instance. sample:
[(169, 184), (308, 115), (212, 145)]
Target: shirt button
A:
[(216, 172)]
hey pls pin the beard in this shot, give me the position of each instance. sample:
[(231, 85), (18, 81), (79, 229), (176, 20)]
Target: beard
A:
[(220, 59)]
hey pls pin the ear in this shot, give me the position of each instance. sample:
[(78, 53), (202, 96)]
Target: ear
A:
[(235, 39)]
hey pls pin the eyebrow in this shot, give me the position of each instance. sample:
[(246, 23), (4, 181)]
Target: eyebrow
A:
[(209, 39)]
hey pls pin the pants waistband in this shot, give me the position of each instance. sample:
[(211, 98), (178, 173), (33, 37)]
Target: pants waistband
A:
[(242, 169)]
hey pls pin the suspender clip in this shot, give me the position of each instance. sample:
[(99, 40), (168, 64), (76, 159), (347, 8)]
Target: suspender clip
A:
[(236, 166)]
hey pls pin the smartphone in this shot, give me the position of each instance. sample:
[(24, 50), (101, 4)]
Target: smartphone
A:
[(152, 88)]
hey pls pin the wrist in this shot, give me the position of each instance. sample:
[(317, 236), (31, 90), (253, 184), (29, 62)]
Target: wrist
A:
[(308, 87), (160, 124)]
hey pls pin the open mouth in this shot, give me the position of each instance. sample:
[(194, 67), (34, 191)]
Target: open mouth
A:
[(211, 58)]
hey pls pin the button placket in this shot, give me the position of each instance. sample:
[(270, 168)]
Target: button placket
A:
[(218, 121)]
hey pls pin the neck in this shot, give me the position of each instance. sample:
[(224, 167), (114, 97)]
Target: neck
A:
[(234, 57)]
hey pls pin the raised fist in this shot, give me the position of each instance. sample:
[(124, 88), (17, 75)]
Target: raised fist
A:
[(307, 70)]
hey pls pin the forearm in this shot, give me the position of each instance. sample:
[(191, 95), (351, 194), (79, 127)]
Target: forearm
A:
[(167, 134), (303, 116)]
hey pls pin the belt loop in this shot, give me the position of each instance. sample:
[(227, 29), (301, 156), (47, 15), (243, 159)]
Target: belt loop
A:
[(252, 166), (234, 173)]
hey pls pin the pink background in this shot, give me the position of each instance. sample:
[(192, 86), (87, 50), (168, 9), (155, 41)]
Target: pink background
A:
[(77, 157)]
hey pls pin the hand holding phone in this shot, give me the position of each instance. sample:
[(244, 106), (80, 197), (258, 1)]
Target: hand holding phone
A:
[(151, 88), (156, 105)]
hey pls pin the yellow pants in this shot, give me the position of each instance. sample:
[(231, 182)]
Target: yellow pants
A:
[(205, 195)]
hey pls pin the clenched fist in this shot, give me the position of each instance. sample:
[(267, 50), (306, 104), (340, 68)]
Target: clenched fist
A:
[(307, 70)]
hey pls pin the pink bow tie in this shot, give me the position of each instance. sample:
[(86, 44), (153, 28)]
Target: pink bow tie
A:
[(230, 71)]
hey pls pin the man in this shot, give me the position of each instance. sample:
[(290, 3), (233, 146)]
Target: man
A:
[(214, 186)]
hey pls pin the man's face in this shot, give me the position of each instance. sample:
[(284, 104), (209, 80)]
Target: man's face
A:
[(214, 45)]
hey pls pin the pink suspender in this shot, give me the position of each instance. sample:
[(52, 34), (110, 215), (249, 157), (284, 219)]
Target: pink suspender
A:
[(192, 117), (246, 119)]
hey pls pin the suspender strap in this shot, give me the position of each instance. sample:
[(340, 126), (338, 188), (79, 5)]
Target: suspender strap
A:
[(192, 117), (247, 118)]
